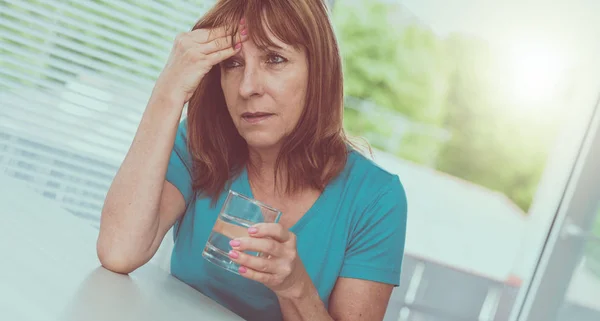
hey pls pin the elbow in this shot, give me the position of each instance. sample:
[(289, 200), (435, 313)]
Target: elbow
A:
[(117, 253), (115, 261)]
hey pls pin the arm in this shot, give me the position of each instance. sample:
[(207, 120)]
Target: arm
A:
[(354, 299), (351, 300), (283, 272), (306, 307), (131, 228), (141, 206)]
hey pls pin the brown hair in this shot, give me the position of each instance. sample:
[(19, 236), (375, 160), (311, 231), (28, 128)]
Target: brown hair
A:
[(316, 150)]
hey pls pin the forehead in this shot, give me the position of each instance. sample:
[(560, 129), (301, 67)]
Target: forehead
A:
[(263, 38), (251, 47)]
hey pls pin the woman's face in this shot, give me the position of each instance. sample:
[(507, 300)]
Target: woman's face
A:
[(265, 91)]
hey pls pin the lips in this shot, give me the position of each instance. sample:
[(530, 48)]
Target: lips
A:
[(256, 117), (257, 114)]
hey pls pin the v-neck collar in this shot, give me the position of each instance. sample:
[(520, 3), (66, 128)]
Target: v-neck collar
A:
[(247, 189)]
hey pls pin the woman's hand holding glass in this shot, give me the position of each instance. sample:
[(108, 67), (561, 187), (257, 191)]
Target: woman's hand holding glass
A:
[(278, 267), (193, 55)]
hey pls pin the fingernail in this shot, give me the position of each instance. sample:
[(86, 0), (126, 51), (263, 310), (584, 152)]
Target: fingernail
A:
[(244, 32), (233, 254), (235, 243), (243, 269), (252, 230), (238, 46), (243, 21)]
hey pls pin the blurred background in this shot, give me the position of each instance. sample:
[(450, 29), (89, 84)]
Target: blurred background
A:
[(486, 109)]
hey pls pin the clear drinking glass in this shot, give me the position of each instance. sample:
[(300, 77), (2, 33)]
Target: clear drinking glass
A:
[(238, 213)]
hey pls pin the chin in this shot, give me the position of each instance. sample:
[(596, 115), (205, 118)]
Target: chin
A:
[(261, 140)]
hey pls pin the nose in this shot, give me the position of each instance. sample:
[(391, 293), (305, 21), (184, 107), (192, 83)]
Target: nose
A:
[(252, 81)]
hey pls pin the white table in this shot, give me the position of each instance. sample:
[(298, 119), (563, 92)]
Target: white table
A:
[(49, 271)]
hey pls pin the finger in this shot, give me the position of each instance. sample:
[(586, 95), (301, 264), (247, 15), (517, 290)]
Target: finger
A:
[(223, 43), (264, 278), (254, 262), (218, 56), (208, 35), (273, 230), (262, 245)]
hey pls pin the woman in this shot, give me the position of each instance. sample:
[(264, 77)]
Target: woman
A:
[(264, 84)]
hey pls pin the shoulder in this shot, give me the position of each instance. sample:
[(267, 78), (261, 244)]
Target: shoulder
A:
[(376, 206), (368, 189), (364, 174)]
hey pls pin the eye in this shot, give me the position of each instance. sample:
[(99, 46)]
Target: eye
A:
[(230, 63), (274, 59)]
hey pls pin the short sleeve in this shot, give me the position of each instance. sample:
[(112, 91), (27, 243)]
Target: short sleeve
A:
[(376, 246), (179, 169)]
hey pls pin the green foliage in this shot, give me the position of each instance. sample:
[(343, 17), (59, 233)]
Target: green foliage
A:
[(400, 69), (400, 65), (365, 126), (490, 145), (416, 148)]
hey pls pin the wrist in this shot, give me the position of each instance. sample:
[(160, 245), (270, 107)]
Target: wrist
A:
[(302, 290), (165, 103), (167, 98), (167, 91), (304, 304)]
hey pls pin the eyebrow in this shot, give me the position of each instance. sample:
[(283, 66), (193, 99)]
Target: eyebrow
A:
[(274, 48), (268, 49)]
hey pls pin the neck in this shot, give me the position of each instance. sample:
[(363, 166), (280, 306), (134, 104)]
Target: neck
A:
[(261, 170)]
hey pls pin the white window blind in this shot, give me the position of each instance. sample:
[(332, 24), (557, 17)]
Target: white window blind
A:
[(75, 77)]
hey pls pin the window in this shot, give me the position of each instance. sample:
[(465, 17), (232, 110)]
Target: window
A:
[(567, 280), (482, 113), (74, 80)]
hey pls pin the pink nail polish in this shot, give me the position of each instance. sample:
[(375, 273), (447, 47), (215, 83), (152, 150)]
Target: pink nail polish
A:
[(244, 32), (252, 230), (233, 254), (238, 46), (243, 269), (235, 243), (243, 21)]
